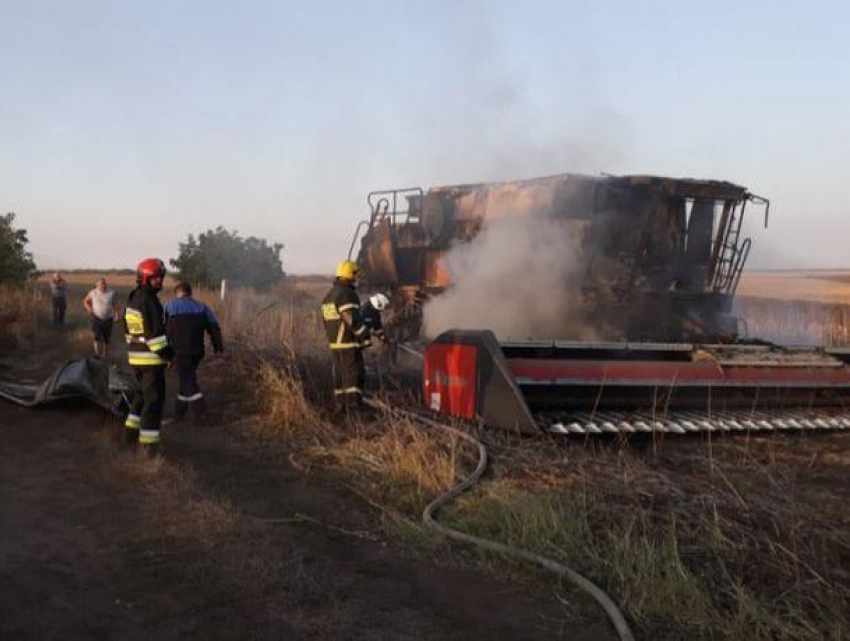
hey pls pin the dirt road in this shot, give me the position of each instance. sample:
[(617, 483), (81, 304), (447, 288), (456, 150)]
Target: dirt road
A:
[(97, 542)]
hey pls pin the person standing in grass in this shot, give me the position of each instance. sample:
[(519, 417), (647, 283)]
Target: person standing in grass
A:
[(58, 287), (186, 322), (100, 306), (348, 336)]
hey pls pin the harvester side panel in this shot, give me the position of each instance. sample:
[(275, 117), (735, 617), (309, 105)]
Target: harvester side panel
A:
[(466, 370), (451, 379)]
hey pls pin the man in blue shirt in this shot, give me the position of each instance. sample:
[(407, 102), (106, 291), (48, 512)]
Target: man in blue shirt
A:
[(186, 322)]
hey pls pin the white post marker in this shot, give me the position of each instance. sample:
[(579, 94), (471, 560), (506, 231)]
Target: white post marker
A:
[(223, 288)]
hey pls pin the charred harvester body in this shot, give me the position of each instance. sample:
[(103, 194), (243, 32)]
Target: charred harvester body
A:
[(660, 258), (660, 262)]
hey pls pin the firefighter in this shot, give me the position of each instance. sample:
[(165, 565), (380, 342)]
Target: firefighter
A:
[(347, 336), (371, 314), (186, 322), (149, 353)]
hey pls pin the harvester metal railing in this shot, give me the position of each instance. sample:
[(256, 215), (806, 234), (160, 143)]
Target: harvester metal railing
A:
[(385, 203), (389, 199)]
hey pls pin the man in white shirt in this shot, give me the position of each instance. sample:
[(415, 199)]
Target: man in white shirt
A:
[(100, 305)]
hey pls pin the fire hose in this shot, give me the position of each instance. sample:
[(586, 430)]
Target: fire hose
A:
[(429, 519)]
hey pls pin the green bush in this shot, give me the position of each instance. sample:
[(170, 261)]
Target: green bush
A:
[(221, 254), (16, 264)]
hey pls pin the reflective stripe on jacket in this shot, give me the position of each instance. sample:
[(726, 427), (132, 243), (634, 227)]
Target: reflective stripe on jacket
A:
[(341, 316), (144, 326)]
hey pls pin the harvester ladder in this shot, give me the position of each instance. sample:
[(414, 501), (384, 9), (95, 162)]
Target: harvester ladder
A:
[(730, 256)]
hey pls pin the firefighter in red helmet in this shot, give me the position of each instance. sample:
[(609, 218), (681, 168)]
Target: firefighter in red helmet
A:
[(148, 353)]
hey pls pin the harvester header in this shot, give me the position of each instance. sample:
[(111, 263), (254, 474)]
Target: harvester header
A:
[(620, 388)]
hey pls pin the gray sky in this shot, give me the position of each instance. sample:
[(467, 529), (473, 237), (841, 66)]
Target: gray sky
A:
[(124, 126)]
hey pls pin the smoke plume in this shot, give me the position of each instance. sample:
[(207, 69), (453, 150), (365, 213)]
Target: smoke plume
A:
[(518, 277)]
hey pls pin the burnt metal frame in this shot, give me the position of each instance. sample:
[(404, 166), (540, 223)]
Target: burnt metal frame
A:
[(376, 198), (379, 207)]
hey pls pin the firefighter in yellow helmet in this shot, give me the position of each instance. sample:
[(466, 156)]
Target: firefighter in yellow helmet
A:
[(347, 336)]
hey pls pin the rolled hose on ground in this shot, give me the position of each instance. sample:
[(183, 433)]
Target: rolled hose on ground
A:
[(429, 519)]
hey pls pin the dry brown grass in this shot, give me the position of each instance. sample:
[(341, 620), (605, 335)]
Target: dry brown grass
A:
[(20, 309), (285, 319), (281, 396), (720, 541), (816, 286), (392, 461), (88, 278), (795, 321), (395, 462), (796, 307)]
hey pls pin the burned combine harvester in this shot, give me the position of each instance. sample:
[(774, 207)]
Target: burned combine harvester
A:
[(661, 262), (659, 258)]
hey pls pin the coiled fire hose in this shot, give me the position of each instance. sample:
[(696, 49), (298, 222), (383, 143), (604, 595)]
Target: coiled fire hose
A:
[(429, 519)]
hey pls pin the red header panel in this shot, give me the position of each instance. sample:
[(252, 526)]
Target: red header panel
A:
[(661, 374), (450, 375)]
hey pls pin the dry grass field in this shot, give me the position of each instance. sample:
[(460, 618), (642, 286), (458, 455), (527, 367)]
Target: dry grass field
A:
[(730, 538), (741, 538), (810, 308), (820, 286)]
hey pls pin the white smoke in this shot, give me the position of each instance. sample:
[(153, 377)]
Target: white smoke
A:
[(518, 278)]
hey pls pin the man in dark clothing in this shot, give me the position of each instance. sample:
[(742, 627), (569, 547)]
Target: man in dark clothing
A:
[(186, 322), (148, 353), (347, 337), (58, 287)]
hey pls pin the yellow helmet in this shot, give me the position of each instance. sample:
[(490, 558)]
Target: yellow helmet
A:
[(346, 270)]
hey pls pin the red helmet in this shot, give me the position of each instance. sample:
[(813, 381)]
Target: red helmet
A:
[(149, 268)]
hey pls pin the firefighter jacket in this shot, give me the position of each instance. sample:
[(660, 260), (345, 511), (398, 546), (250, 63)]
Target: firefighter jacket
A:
[(372, 319), (186, 321), (144, 326), (341, 315)]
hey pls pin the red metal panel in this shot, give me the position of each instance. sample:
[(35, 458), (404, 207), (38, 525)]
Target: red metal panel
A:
[(660, 373), (450, 375), (596, 372)]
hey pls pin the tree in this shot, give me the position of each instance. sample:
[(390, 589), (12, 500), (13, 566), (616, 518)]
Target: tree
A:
[(221, 254), (16, 264)]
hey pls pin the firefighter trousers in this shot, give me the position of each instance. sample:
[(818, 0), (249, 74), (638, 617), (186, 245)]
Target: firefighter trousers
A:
[(189, 393), (148, 403), (349, 377)]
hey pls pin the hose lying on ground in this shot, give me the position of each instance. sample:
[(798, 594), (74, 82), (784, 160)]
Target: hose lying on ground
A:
[(429, 519)]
